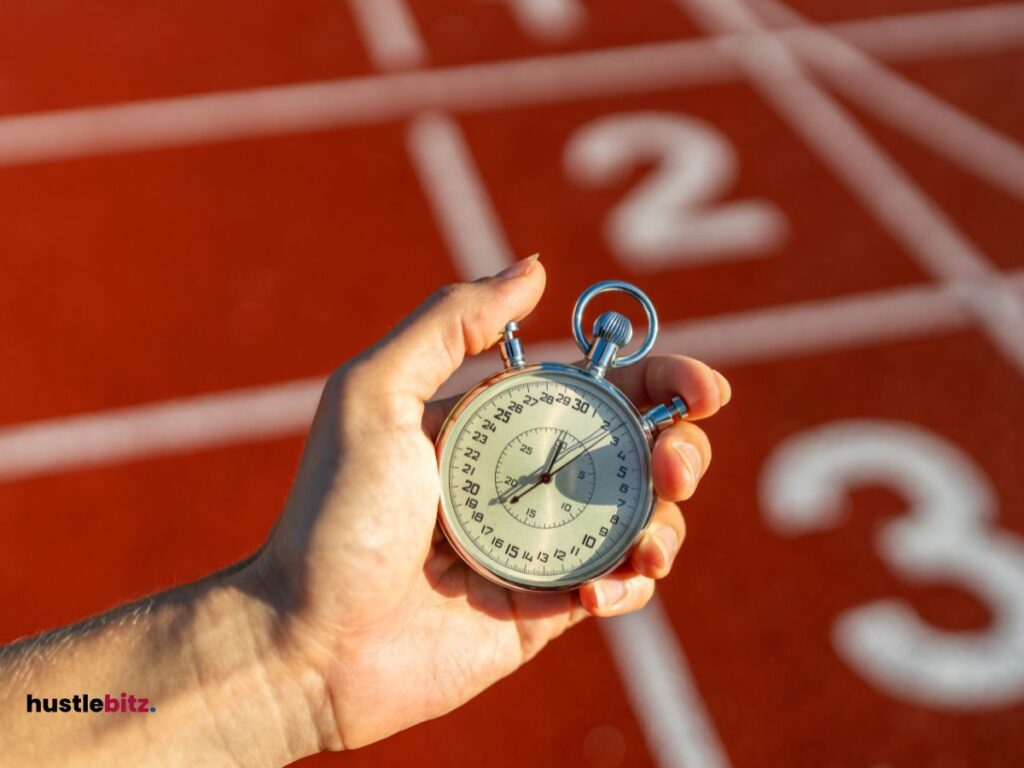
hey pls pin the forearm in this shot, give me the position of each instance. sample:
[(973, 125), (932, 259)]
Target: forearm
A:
[(205, 656)]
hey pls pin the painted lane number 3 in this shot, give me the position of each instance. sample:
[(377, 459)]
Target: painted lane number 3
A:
[(949, 533)]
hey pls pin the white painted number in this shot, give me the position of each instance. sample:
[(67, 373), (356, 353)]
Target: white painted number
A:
[(948, 535), (551, 21), (668, 218)]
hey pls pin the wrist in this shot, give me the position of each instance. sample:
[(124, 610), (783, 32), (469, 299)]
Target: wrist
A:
[(267, 704), (219, 687)]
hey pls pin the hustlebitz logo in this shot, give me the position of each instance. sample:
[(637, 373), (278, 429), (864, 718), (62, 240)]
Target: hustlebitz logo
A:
[(127, 703)]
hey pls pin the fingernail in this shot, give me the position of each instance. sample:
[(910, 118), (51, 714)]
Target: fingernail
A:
[(520, 268), (724, 388), (668, 543), (610, 593), (691, 457)]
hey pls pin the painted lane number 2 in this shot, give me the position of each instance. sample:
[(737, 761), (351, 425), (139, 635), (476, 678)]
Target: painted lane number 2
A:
[(670, 217)]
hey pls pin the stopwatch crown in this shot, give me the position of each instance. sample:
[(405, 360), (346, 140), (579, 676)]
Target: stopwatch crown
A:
[(612, 332), (614, 327)]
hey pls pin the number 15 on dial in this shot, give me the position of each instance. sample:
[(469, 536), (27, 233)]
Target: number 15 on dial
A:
[(546, 469)]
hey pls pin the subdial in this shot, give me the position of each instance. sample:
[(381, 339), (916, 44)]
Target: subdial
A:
[(545, 478)]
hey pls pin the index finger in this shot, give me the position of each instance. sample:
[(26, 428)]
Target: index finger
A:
[(659, 378)]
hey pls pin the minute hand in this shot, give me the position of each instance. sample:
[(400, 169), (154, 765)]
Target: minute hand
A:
[(545, 473), (581, 448), (584, 448)]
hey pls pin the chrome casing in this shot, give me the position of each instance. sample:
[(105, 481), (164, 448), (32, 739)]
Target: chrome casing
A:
[(642, 427)]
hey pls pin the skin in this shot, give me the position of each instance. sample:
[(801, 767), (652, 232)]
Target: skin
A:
[(355, 620)]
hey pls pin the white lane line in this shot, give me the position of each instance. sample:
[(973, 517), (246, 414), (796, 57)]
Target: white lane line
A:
[(457, 196), (298, 108), (902, 103), (953, 31), (776, 333), (156, 429), (277, 110), (439, 153), (192, 424), (390, 33), (899, 205), (660, 687)]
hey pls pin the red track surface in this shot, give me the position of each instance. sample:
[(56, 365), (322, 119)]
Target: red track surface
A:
[(135, 276)]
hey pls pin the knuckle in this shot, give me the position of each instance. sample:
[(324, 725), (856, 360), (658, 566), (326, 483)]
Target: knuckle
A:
[(359, 398), (466, 316), (464, 330), (699, 438), (707, 453), (702, 395), (352, 376), (642, 593), (474, 331), (448, 292)]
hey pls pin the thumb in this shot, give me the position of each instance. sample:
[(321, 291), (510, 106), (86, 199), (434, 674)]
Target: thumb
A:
[(458, 320)]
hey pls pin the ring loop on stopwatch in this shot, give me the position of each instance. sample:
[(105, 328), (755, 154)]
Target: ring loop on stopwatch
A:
[(609, 286)]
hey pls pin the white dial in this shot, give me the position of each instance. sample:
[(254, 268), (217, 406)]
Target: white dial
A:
[(545, 478)]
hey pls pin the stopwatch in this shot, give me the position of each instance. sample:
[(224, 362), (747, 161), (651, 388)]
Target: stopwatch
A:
[(545, 468)]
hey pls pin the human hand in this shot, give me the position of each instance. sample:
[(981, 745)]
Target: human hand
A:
[(355, 619), (370, 599)]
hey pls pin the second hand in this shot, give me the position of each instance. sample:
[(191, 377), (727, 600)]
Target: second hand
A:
[(584, 448), (545, 476)]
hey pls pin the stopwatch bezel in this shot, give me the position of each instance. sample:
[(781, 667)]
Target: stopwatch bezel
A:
[(479, 390)]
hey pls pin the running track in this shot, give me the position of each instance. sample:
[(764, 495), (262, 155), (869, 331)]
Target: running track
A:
[(206, 207)]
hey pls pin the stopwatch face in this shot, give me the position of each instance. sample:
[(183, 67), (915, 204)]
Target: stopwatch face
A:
[(545, 478)]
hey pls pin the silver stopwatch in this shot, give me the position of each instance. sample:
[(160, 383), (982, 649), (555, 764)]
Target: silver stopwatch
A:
[(546, 468)]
